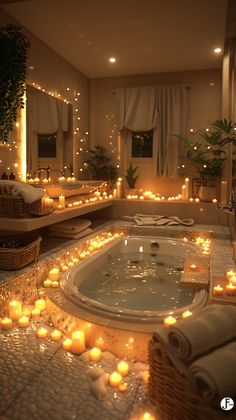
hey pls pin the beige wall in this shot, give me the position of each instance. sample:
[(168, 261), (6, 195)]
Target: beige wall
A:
[(55, 74), (204, 107)]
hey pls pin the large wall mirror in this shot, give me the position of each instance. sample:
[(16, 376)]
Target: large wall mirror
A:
[(49, 134)]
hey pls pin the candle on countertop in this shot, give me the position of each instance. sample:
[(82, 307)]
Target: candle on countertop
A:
[(115, 379), (183, 192), (77, 342), (15, 310), (55, 283), (186, 314), (62, 201), (123, 368), (40, 304), (168, 321), (95, 354), (186, 183), (54, 274), (48, 202), (23, 321), (42, 332), (47, 283), (218, 290), (230, 289), (66, 344), (59, 207), (55, 335), (114, 194), (118, 189), (6, 324)]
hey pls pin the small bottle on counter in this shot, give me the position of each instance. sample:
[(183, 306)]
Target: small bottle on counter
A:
[(12, 176), (4, 176)]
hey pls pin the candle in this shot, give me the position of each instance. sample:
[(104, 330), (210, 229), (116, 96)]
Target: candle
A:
[(27, 312), (199, 240), (65, 268), (114, 193), (56, 335), (35, 313), (23, 322), (214, 200), (54, 274), (45, 180), (42, 332), (218, 290), (193, 267), (75, 260), (147, 416), (186, 183), (146, 377), (191, 199), (55, 283), (77, 342), (99, 342), (62, 201), (40, 304), (48, 202), (6, 324), (229, 274), (230, 289), (123, 387), (186, 314), (15, 310), (59, 207), (66, 344), (47, 283), (123, 368), (95, 354), (70, 264), (168, 321), (118, 189), (115, 379), (183, 192), (233, 279)]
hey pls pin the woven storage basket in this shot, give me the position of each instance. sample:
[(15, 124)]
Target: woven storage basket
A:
[(18, 251), (14, 205), (172, 394)]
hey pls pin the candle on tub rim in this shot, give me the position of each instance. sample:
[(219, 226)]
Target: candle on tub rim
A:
[(55, 283), (186, 314), (70, 264), (47, 283), (42, 332), (218, 290), (233, 279), (23, 322), (56, 335), (230, 289), (66, 344), (115, 379), (15, 310), (77, 342), (95, 354), (6, 324), (62, 201), (229, 274), (123, 368), (64, 268), (40, 304), (54, 274), (168, 321)]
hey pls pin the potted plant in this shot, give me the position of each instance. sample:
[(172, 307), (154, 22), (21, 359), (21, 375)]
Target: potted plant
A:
[(131, 180), (99, 165), (13, 53), (207, 155)]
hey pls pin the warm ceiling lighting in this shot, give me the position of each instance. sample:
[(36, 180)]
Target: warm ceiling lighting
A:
[(217, 50), (112, 59)]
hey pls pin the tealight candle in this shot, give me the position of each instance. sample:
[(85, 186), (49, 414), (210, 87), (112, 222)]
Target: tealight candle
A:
[(214, 200), (6, 324), (55, 283), (62, 201), (15, 310), (233, 280), (40, 304), (35, 313), (218, 290), (23, 321), (66, 344), (147, 416), (193, 267), (115, 379), (186, 314), (42, 332), (54, 274), (123, 368), (190, 199), (197, 200), (56, 335), (95, 354), (230, 289), (168, 321), (47, 283), (77, 342), (230, 274), (70, 264), (75, 260), (64, 268)]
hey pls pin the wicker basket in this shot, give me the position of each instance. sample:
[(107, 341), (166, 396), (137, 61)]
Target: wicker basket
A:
[(14, 206), (172, 394), (18, 251)]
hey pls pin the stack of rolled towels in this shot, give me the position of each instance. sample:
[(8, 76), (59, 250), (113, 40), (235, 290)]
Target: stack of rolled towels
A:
[(203, 348), (71, 229)]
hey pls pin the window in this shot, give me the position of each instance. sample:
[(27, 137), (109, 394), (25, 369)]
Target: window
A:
[(47, 145), (142, 144)]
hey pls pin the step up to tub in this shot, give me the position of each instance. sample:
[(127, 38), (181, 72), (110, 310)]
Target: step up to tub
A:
[(196, 271)]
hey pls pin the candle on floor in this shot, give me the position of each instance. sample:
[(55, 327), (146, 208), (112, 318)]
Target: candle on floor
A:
[(230, 289), (6, 324), (168, 321), (55, 283), (183, 192), (66, 344), (95, 354), (54, 274), (15, 310), (123, 368), (35, 313), (218, 290), (62, 201), (42, 332), (114, 193), (23, 321), (40, 304), (115, 379), (55, 335), (77, 342), (186, 314), (47, 283)]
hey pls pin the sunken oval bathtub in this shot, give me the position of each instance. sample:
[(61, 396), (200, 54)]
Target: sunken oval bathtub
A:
[(129, 286)]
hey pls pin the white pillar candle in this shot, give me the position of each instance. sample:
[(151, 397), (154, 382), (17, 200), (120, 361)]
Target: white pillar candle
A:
[(183, 192), (62, 201), (54, 274), (77, 342), (66, 344), (186, 183), (123, 368), (15, 310), (114, 193), (40, 304), (6, 324), (95, 354), (118, 189), (42, 332), (115, 379), (23, 322), (48, 202)]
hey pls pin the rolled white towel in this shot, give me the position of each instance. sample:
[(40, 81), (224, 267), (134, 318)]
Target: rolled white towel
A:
[(29, 193), (71, 226), (79, 235), (214, 375), (203, 332)]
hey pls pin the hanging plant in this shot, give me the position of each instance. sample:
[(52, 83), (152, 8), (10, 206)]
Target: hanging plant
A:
[(13, 53)]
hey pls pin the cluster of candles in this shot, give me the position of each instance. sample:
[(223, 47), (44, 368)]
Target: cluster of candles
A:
[(37, 180), (157, 197), (230, 288), (170, 320), (98, 196), (205, 245)]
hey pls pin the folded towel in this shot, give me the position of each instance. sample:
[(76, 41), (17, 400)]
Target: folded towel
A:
[(214, 375), (29, 193), (151, 220), (79, 235), (71, 226), (207, 330)]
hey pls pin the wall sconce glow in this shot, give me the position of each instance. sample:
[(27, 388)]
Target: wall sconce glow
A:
[(217, 50), (23, 142), (112, 59)]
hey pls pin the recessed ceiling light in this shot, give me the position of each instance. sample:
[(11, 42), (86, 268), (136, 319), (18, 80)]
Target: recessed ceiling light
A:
[(217, 50), (112, 59)]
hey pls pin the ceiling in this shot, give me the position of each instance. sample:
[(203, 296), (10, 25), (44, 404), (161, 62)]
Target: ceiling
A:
[(145, 36)]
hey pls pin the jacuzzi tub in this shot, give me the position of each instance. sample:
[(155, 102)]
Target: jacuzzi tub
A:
[(74, 281)]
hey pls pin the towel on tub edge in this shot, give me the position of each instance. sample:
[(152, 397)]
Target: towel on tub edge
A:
[(156, 220)]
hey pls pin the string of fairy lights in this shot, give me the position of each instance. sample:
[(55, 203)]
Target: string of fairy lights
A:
[(112, 140)]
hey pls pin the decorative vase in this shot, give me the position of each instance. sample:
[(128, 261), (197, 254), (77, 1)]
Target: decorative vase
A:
[(207, 193)]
